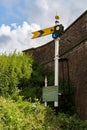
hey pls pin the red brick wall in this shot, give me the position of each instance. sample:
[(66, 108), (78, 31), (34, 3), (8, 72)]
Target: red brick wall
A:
[(73, 45), (77, 58)]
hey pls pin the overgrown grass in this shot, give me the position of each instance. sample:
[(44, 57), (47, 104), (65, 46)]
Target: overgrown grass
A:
[(23, 115)]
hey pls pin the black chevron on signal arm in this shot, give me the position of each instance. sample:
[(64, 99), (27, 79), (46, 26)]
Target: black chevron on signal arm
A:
[(41, 33)]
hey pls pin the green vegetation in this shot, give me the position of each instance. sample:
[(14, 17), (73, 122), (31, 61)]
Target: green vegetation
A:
[(33, 87), (66, 99), (21, 82), (15, 69), (23, 115)]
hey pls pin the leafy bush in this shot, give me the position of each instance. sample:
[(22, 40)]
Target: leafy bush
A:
[(33, 87), (14, 68), (67, 122), (23, 115), (26, 116)]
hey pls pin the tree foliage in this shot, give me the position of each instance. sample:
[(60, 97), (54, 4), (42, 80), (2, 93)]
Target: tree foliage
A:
[(34, 85), (36, 82), (13, 69)]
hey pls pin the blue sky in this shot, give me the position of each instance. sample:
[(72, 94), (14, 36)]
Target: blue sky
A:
[(18, 18)]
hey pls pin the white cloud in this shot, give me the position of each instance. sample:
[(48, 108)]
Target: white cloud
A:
[(14, 25), (4, 30), (18, 38)]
